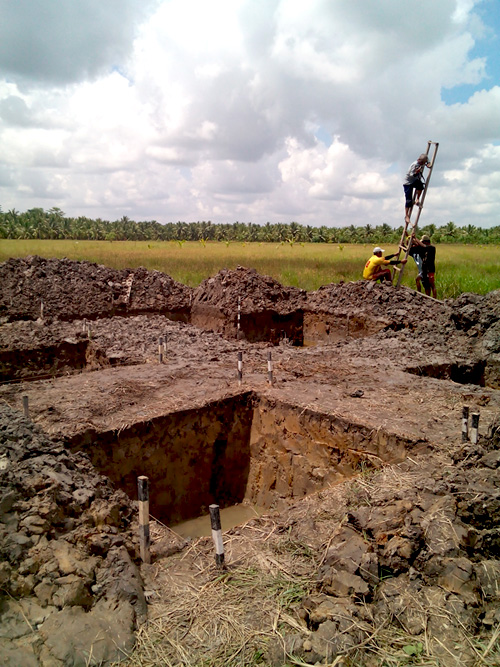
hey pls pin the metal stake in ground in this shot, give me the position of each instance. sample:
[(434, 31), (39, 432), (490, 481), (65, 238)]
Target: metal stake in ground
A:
[(143, 496), (269, 367), (238, 319), (160, 349), (217, 534), (240, 367), (465, 423), (474, 429), (26, 407)]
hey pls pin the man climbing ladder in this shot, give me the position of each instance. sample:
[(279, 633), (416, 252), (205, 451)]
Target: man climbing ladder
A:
[(414, 184), (415, 188)]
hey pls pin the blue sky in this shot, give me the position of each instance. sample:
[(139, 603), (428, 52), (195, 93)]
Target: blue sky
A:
[(250, 110), (488, 47)]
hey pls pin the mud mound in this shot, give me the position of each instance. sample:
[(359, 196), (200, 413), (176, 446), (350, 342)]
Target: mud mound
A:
[(257, 293), (417, 550), (269, 311), (64, 545), (402, 306), (71, 290), (476, 311)]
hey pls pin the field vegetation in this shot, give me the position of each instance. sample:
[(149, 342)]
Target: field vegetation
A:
[(460, 268)]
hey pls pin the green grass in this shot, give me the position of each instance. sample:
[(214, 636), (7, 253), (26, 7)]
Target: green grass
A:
[(459, 268)]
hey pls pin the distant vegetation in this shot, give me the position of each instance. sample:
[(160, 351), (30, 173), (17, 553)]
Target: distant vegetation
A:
[(36, 223)]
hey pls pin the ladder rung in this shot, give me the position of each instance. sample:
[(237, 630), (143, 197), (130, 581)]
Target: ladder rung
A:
[(396, 268)]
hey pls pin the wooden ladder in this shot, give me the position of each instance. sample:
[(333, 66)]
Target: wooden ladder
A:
[(410, 226)]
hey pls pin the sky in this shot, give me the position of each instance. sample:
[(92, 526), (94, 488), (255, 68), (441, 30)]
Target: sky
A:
[(250, 110)]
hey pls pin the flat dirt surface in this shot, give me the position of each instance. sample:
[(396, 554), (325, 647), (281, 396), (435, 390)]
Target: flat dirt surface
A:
[(385, 360)]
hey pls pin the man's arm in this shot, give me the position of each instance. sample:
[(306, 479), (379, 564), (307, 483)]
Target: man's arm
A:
[(393, 262)]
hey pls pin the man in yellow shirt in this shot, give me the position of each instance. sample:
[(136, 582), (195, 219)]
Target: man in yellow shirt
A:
[(374, 267)]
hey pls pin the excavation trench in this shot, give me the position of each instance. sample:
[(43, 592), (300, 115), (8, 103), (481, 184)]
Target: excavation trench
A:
[(245, 448), (48, 360), (79, 354), (298, 327)]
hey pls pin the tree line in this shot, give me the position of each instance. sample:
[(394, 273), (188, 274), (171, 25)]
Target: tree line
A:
[(36, 223)]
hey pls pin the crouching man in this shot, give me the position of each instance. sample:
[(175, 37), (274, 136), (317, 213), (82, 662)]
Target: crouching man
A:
[(376, 266)]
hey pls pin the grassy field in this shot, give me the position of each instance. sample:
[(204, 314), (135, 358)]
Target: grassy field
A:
[(459, 268)]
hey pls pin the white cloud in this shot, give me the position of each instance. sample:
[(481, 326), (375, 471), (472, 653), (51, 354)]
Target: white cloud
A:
[(179, 109), (48, 41)]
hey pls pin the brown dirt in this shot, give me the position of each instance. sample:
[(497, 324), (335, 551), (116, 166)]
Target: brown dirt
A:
[(378, 390)]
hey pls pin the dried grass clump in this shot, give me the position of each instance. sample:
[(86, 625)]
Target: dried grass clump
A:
[(201, 615)]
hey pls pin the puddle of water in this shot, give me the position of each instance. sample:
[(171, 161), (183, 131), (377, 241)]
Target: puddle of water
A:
[(229, 518)]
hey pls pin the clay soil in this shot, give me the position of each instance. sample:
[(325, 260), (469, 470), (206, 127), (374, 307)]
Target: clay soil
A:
[(380, 540)]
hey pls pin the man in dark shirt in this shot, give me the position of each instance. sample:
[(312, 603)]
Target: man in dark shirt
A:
[(424, 255)]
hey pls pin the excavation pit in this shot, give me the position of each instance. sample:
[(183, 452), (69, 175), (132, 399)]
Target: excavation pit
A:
[(462, 373), (243, 449), (266, 326)]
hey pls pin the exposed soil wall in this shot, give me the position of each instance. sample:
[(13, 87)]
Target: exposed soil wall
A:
[(50, 361), (331, 327), (263, 326), (43, 361), (192, 458), (294, 453), (466, 373)]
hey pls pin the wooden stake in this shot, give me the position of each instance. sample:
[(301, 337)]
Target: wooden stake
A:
[(465, 423), (143, 496), (474, 429), (217, 534), (269, 367), (240, 367), (41, 310), (160, 349)]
